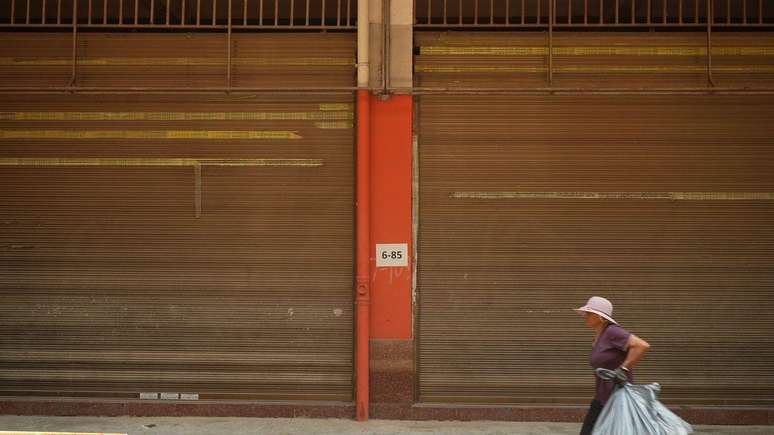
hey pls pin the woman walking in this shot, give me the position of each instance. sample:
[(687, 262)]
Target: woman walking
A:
[(614, 348)]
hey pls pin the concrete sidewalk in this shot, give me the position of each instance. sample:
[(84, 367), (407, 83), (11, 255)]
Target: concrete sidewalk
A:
[(299, 426)]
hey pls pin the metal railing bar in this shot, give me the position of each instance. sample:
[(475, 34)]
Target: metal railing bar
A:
[(612, 13), (710, 79), (228, 50), (696, 11), (74, 70), (601, 11), (649, 11), (539, 10), (551, 19)]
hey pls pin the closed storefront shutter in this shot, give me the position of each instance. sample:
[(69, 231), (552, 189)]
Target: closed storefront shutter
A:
[(599, 60), (178, 245), (528, 205)]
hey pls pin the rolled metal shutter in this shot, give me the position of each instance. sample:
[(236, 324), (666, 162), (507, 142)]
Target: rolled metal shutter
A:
[(528, 205), (191, 245), (613, 60)]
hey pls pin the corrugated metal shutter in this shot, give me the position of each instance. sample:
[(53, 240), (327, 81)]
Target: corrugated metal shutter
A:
[(529, 205), (179, 59), (594, 59), (189, 243)]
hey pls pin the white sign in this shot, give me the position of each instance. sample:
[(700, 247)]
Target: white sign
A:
[(392, 255)]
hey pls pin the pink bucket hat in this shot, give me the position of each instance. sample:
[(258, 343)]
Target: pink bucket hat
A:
[(600, 306)]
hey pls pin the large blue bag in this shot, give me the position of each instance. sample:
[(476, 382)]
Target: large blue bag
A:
[(635, 410)]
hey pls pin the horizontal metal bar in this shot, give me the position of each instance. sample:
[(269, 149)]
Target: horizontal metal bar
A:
[(629, 25), (345, 27), (28, 89), (180, 26), (744, 25), (344, 113), (592, 25), (179, 61), (585, 91), (480, 26), (411, 91)]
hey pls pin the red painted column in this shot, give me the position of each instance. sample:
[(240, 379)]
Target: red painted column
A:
[(391, 220)]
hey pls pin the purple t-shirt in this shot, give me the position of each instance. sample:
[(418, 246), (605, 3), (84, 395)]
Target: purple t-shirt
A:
[(609, 352)]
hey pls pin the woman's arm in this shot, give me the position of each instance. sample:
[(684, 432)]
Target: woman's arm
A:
[(636, 348)]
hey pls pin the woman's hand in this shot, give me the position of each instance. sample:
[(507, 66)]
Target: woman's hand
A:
[(636, 348), (621, 375)]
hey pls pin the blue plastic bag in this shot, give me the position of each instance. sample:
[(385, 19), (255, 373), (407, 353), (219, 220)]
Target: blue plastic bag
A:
[(635, 410)]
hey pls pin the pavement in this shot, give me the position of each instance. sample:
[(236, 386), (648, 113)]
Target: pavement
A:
[(298, 426)]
